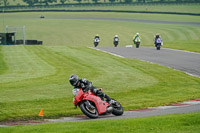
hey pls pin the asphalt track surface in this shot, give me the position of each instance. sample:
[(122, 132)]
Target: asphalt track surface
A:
[(185, 107), (189, 62), (129, 20)]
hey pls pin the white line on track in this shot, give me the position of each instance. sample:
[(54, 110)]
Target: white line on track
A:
[(107, 52), (181, 51)]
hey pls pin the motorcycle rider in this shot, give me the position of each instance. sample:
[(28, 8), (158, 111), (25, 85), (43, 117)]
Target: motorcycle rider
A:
[(97, 36), (136, 35), (116, 38), (87, 85), (96, 40), (156, 37)]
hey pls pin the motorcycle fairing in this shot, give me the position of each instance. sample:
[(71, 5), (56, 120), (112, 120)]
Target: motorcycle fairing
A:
[(100, 105), (78, 97)]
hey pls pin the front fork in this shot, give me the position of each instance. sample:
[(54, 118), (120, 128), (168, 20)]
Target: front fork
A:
[(89, 105)]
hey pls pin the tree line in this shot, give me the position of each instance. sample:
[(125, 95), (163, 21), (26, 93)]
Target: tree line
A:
[(47, 2)]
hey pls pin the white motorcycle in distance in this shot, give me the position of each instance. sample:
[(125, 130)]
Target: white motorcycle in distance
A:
[(158, 43), (137, 42), (96, 42)]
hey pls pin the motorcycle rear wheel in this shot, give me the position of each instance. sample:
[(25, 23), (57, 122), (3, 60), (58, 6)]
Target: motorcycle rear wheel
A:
[(91, 113)]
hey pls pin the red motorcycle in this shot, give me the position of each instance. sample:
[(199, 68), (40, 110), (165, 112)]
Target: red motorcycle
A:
[(93, 106)]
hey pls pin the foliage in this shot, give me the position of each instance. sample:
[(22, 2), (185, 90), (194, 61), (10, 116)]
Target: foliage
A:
[(4, 2), (95, 1), (78, 1), (62, 1), (128, 1), (52, 2), (33, 2), (112, 1)]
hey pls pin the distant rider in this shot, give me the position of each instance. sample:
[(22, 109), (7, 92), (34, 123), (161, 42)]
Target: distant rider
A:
[(116, 40), (97, 36), (96, 40), (87, 85), (136, 36), (156, 37)]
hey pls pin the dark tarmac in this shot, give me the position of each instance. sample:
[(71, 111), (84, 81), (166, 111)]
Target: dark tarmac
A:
[(189, 62)]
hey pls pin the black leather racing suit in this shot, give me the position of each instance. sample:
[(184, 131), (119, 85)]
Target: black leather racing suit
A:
[(87, 85)]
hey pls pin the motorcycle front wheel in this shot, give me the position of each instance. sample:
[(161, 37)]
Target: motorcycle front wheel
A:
[(137, 45), (117, 109), (90, 112), (96, 44), (158, 47)]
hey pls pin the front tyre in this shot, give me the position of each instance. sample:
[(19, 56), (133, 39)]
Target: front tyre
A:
[(137, 44), (90, 112), (117, 109), (158, 46), (96, 44)]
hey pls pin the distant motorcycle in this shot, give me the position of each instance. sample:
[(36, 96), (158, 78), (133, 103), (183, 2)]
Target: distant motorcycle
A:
[(116, 41), (158, 43), (96, 42), (93, 106), (137, 42)]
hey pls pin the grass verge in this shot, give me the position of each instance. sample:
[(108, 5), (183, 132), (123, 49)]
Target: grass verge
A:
[(78, 29), (181, 123)]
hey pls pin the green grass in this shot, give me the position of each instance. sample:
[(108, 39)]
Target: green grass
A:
[(3, 66), (63, 29), (181, 123), (37, 77)]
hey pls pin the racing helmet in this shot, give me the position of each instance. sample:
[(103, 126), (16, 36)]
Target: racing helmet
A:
[(116, 35), (157, 35), (73, 79), (137, 33)]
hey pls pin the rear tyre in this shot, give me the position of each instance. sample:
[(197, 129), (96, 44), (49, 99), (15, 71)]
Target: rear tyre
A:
[(117, 109), (91, 113)]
